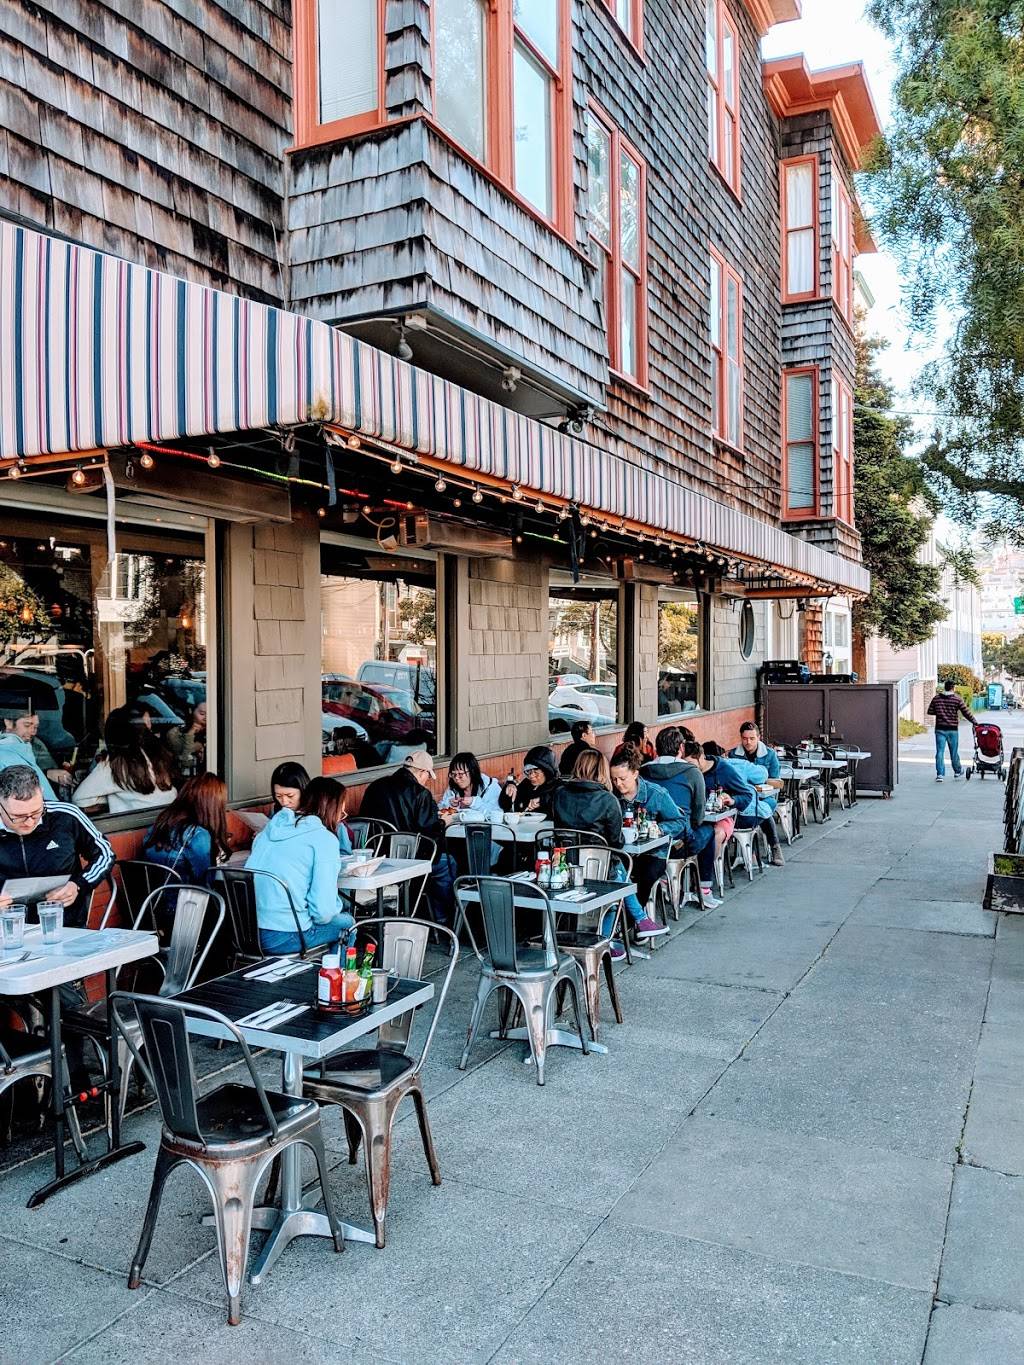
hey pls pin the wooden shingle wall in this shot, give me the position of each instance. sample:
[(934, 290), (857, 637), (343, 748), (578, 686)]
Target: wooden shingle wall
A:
[(155, 131)]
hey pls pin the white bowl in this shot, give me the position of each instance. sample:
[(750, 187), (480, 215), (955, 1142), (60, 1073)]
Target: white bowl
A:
[(512, 818), (473, 817)]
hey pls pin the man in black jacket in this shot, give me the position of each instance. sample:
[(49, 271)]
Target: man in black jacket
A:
[(403, 799), (49, 839), (583, 738)]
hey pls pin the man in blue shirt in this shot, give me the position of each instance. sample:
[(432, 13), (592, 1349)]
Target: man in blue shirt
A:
[(761, 766)]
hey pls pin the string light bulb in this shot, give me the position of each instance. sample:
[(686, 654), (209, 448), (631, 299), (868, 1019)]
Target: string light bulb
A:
[(213, 459), (14, 472), (593, 533), (478, 497), (396, 465), (517, 492), (441, 485), (321, 511), (26, 614), (146, 460), (456, 502), (563, 513), (78, 477), (539, 506), (353, 442)]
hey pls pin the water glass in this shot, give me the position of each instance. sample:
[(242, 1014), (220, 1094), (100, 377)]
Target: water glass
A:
[(380, 984), (577, 875), (12, 928), (51, 921)]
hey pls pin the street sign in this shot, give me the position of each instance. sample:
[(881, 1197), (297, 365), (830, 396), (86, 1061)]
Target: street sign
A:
[(1018, 606)]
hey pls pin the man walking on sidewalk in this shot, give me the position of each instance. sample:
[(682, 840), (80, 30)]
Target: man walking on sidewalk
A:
[(947, 707)]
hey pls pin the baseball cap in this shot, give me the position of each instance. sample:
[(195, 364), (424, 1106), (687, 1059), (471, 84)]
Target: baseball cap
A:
[(421, 760)]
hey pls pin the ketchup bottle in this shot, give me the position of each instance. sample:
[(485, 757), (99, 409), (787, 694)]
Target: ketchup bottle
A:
[(328, 985)]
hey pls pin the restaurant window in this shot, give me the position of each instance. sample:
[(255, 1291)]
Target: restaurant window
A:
[(460, 72), (721, 49), (617, 192), (800, 443), (842, 248), (379, 656), (82, 634), (842, 450), (726, 352), (799, 229), (837, 638), (338, 52), (680, 652), (583, 646)]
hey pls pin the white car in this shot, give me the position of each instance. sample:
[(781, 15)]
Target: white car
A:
[(590, 698)]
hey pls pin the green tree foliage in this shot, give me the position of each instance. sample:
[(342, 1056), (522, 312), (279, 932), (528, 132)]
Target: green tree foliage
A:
[(894, 512), (1002, 655), (23, 615), (962, 676), (677, 636), (949, 184), (992, 646)]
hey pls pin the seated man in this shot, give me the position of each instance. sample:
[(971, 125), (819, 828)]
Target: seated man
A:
[(648, 869), (403, 799), (684, 783), (16, 749), (753, 752), (583, 738)]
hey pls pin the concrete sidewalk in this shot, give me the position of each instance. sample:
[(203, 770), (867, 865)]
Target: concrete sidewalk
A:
[(804, 1145)]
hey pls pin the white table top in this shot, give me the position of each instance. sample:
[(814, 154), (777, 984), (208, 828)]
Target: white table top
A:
[(81, 952), (391, 872), (856, 754), (310, 1034), (642, 846), (602, 894), (801, 774), (505, 834), (823, 764)]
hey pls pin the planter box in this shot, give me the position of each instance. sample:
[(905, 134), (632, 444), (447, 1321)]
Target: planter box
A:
[(1004, 889)]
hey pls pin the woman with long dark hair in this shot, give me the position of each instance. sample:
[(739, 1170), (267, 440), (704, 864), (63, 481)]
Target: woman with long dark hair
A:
[(191, 834), (287, 783), (636, 735), (469, 788), (129, 776), (300, 847)]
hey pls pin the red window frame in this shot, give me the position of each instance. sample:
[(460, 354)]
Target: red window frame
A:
[(613, 264), (309, 131), (842, 450), (724, 103), (726, 363), (801, 513), (842, 247), (634, 33), (789, 295)]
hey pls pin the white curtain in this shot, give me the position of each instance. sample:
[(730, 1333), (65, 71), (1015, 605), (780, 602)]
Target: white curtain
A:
[(347, 45)]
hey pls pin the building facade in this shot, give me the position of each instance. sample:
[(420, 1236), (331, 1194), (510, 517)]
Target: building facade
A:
[(497, 373)]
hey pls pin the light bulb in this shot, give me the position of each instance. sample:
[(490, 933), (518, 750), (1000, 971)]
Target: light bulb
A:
[(517, 492), (146, 460), (539, 506), (78, 477), (563, 512), (213, 460), (321, 511), (593, 534), (26, 614), (353, 442), (14, 472), (396, 466), (478, 497), (456, 502), (441, 485)]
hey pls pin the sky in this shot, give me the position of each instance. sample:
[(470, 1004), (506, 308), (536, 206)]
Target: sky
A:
[(832, 33)]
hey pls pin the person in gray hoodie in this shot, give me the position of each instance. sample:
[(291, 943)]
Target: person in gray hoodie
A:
[(301, 848)]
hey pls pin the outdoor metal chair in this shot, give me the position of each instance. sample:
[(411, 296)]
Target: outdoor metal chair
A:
[(569, 838), (683, 877), (243, 902), (531, 974), (723, 872), (25, 1056), (811, 796), (139, 879), (370, 1083), (784, 819), (366, 832), (228, 1137), (839, 784), (188, 929), (588, 942), (749, 846), (403, 844)]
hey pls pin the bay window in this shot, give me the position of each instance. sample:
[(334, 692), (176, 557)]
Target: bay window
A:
[(726, 352), (842, 450), (721, 51), (800, 443), (617, 188), (338, 68), (799, 229), (842, 248)]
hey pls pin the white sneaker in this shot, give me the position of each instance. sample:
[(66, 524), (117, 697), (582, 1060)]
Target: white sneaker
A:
[(711, 901), (938, 777)]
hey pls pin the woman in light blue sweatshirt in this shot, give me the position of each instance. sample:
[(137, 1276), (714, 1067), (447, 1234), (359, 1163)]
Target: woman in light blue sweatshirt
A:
[(301, 848)]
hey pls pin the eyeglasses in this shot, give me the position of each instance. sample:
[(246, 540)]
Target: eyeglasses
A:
[(31, 817), (530, 769)]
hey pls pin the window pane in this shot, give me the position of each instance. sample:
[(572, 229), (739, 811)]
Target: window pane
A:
[(347, 58), (800, 261), (711, 37), (459, 64), (378, 661), (598, 162), (735, 403), (627, 324), (733, 320), (624, 14), (799, 407), (716, 392), (800, 196), (712, 124), (678, 656), (81, 635), (532, 124), (716, 304), (539, 21), (729, 148), (800, 477), (582, 656), (729, 67), (629, 209)]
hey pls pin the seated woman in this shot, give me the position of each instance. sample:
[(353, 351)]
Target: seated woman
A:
[(636, 734), (585, 800), (287, 783), (300, 847), (190, 836), (129, 776), (468, 788), (634, 790), (537, 789)]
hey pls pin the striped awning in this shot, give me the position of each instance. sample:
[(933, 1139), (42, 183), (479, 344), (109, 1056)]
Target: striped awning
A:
[(96, 353)]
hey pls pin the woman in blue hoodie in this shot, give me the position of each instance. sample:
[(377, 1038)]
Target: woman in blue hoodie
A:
[(301, 848)]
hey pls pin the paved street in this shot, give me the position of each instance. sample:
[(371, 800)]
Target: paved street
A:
[(805, 1145)]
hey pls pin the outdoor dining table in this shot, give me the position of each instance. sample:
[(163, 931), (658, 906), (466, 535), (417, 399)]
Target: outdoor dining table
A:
[(639, 848), (398, 872), (824, 765), (312, 1035), (80, 953), (600, 895), (522, 836)]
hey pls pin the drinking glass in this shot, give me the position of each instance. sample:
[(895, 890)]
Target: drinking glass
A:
[(577, 875), (12, 928), (51, 921)]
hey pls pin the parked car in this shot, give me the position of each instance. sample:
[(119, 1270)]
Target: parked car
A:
[(376, 710), (566, 680), (24, 688), (592, 698), (410, 685), (560, 719)]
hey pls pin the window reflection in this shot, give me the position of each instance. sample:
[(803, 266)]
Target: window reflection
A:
[(678, 652), (582, 656)]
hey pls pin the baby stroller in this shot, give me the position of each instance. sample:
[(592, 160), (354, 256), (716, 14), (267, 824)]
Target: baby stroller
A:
[(988, 752)]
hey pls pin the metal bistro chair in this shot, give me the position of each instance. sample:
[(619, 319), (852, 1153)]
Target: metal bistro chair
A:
[(811, 796), (194, 922), (401, 844), (139, 879), (26, 1055), (784, 819), (530, 973), (588, 942), (366, 832), (240, 894), (228, 1137), (370, 1083), (749, 846)]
